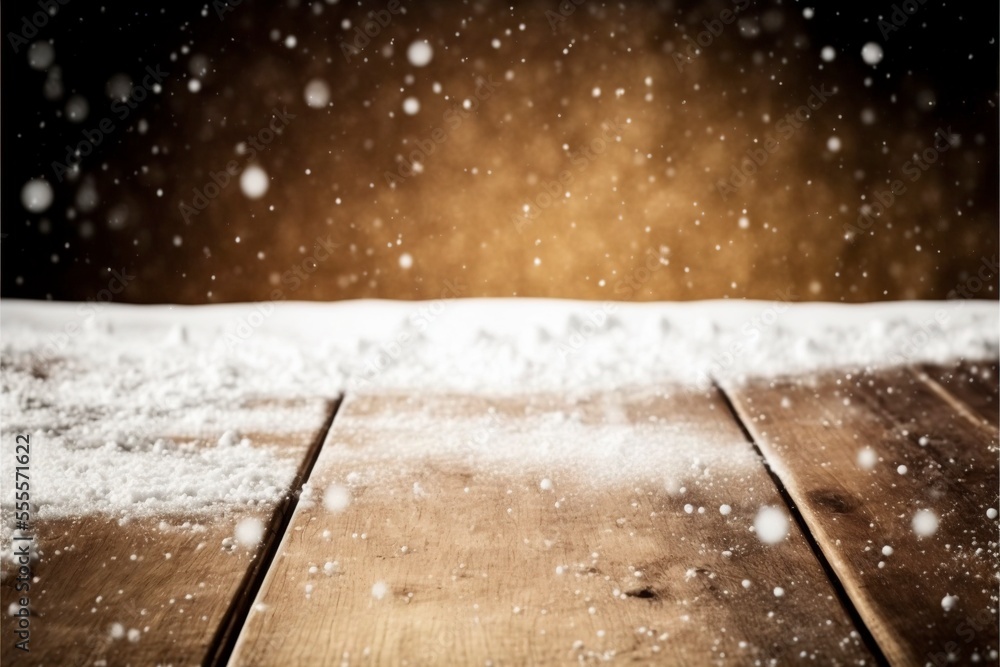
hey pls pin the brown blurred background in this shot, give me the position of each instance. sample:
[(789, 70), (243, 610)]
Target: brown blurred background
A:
[(608, 122)]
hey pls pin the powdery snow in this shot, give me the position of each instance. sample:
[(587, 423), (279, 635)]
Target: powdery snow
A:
[(594, 440), (491, 345), (132, 404)]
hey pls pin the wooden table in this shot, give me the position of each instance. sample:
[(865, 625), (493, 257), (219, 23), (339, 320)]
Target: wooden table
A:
[(441, 529)]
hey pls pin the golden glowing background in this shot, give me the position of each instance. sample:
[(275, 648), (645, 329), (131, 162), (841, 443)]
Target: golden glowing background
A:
[(648, 197)]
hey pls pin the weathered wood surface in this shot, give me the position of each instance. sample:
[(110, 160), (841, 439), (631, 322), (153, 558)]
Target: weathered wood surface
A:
[(975, 384), (816, 434), (160, 590), (433, 537)]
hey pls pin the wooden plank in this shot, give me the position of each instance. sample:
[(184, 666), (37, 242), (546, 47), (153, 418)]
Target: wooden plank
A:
[(455, 548), (156, 590), (816, 435), (975, 384)]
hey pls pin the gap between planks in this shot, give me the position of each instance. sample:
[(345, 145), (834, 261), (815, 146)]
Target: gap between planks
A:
[(502, 559), (842, 595), (224, 641), (229, 633), (960, 406), (962, 410)]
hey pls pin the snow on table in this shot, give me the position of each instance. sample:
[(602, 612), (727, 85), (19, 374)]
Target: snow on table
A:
[(448, 529), (900, 489), (513, 439), (150, 510), (104, 384)]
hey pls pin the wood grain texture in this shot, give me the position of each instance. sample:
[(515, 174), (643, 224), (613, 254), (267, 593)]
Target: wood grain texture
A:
[(811, 432), (172, 580), (626, 556), (975, 384)]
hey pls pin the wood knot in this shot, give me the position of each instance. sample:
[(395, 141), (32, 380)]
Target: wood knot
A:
[(833, 501), (646, 593)]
